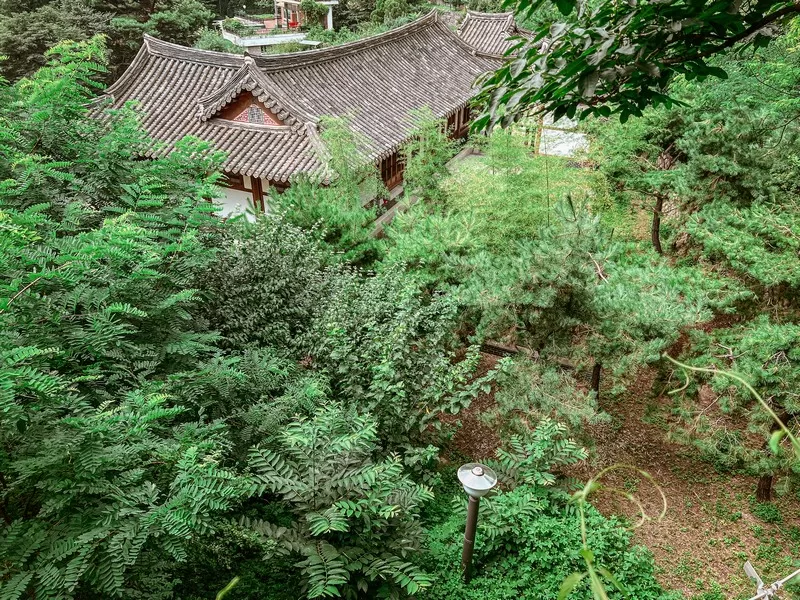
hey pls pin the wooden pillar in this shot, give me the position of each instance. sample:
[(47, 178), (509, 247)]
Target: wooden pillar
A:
[(258, 194)]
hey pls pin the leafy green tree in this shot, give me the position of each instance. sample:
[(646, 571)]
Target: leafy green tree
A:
[(26, 33), (551, 279), (268, 284), (354, 518), (95, 497), (636, 160), (339, 212), (727, 156), (426, 155), (388, 10), (313, 11), (352, 12), (255, 391), (604, 57), (178, 21), (104, 478), (543, 289), (27, 30), (530, 390), (390, 350), (765, 353), (437, 241), (758, 241), (643, 304), (211, 39)]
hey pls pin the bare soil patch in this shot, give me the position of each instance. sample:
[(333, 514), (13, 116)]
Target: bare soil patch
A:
[(475, 439), (709, 529)]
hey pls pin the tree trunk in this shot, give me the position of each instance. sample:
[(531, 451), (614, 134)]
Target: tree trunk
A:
[(764, 490), (664, 162), (655, 230), (596, 379)]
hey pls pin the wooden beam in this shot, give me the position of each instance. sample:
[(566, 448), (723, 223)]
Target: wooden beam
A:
[(387, 217)]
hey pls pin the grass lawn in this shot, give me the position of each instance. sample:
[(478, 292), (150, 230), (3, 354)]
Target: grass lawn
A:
[(512, 201)]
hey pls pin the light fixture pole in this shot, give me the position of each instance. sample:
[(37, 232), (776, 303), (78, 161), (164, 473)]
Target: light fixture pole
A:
[(477, 480)]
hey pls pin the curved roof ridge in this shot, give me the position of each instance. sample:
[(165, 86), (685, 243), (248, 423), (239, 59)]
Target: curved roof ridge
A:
[(128, 76), (210, 57), (494, 34), (475, 15), (291, 60), (465, 45), (490, 15)]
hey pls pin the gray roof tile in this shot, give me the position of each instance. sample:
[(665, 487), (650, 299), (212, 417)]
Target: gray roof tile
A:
[(490, 32), (376, 82)]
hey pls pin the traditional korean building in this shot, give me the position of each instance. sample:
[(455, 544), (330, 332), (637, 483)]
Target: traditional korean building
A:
[(264, 111), (490, 33)]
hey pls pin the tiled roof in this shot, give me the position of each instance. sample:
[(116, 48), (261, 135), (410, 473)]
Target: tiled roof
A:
[(489, 32), (250, 78), (375, 82)]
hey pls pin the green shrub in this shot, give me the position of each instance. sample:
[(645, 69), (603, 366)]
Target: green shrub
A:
[(765, 352), (392, 351), (758, 241), (426, 156), (537, 293), (337, 214), (531, 390), (256, 391), (388, 11), (531, 461), (767, 512), (105, 477), (211, 39), (354, 519), (237, 27), (268, 283), (538, 548), (313, 11)]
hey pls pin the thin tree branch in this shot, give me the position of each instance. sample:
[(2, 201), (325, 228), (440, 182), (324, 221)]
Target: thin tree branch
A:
[(30, 285), (778, 14)]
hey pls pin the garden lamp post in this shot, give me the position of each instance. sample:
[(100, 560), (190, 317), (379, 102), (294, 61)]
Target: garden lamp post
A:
[(477, 480)]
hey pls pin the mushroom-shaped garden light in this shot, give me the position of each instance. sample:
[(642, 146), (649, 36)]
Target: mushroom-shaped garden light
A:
[(477, 480)]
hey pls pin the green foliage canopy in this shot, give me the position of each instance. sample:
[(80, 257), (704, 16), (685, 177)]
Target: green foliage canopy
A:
[(355, 519), (605, 57), (27, 30)]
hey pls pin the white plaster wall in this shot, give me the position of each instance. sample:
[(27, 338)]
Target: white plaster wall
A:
[(235, 202)]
